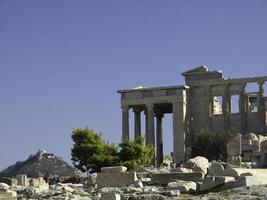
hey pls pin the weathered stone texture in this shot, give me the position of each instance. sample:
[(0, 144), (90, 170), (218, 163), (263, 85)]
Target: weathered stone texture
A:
[(165, 178), (198, 164), (116, 179), (115, 169)]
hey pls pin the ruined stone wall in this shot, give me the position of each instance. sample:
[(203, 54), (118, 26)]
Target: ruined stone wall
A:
[(222, 104)]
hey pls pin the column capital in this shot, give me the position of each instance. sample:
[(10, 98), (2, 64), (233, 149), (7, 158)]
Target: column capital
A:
[(125, 106), (261, 82), (137, 109)]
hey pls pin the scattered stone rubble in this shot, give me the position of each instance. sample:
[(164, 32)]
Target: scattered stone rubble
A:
[(249, 150), (199, 181)]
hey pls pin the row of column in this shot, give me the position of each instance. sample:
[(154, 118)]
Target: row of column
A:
[(150, 129), (178, 129), (226, 107)]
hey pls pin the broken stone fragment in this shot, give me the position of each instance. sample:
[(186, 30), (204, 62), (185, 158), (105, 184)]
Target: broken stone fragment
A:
[(67, 188), (182, 186), (4, 186), (171, 193), (164, 179), (236, 172), (5, 193), (245, 181), (215, 169), (110, 196), (115, 169), (181, 169), (143, 169), (213, 181), (8, 195), (116, 179), (198, 164), (145, 180)]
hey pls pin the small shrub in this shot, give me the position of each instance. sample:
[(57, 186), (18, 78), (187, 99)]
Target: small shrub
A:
[(135, 153)]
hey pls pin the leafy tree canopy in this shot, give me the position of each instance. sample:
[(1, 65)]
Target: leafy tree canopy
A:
[(90, 151)]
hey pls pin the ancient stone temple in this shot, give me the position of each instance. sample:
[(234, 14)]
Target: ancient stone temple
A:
[(206, 101)]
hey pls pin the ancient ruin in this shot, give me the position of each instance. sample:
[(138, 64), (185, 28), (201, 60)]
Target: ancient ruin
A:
[(206, 101)]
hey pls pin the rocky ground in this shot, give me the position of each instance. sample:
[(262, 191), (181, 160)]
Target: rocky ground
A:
[(78, 192), (197, 179)]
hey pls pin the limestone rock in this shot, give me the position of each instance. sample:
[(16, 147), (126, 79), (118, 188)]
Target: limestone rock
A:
[(164, 179), (8, 195), (115, 169), (4, 186), (149, 197), (5, 193), (110, 196), (171, 193), (182, 186), (67, 188), (9, 181), (198, 164), (215, 168), (236, 172), (245, 181), (181, 169), (143, 169), (145, 180), (251, 136), (212, 182), (116, 179)]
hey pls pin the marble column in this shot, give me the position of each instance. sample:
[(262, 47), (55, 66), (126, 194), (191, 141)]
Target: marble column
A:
[(243, 108), (150, 139), (137, 124), (125, 123), (146, 127), (210, 106), (178, 110), (159, 153), (150, 125), (261, 108), (226, 107)]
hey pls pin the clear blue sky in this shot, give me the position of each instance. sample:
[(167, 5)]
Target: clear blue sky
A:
[(62, 61)]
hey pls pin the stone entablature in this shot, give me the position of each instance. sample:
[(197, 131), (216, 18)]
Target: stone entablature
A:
[(205, 102), (152, 95)]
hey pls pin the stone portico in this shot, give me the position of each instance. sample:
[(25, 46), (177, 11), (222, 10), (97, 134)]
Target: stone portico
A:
[(205, 102), (154, 103)]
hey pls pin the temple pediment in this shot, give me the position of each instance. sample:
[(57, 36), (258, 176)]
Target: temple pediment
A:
[(197, 70)]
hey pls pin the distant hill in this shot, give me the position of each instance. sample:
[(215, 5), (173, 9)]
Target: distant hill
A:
[(40, 164)]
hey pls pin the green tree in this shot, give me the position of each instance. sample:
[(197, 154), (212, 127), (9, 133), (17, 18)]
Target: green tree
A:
[(90, 151), (135, 153)]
